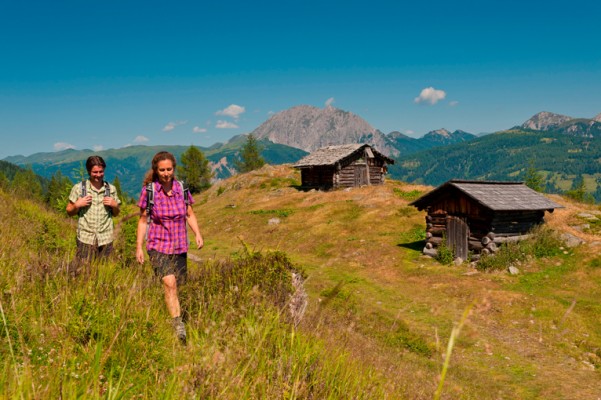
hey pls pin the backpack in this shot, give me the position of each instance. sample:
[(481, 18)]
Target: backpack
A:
[(150, 197), (107, 192), (84, 191)]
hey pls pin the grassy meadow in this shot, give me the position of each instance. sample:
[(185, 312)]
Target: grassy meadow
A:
[(377, 323)]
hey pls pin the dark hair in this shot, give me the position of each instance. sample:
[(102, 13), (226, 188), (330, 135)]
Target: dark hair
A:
[(152, 174), (94, 161)]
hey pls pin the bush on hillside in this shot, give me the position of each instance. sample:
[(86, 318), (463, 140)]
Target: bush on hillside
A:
[(543, 242)]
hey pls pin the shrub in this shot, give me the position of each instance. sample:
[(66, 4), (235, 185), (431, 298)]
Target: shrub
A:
[(445, 254), (508, 254), (543, 242)]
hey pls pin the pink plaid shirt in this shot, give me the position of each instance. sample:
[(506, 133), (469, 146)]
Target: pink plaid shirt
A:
[(167, 229)]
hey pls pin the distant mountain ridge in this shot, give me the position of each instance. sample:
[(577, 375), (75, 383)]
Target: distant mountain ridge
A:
[(548, 121), (290, 134), (310, 128), (131, 163), (407, 145), (545, 120)]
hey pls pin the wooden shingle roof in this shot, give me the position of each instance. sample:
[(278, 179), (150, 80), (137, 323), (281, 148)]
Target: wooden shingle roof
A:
[(331, 155), (494, 195)]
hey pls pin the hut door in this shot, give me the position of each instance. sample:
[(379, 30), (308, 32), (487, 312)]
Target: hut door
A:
[(457, 235), (360, 175)]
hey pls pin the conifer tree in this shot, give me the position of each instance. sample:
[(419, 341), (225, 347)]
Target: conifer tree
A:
[(58, 191), (122, 196), (578, 191), (4, 182), (195, 170), (250, 156), (27, 183), (534, 179)]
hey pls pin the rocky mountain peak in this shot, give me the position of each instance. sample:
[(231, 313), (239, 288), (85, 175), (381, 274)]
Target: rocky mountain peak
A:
[(545, 120), (597, 118), (440, 132), (310, 128), (398, 135)]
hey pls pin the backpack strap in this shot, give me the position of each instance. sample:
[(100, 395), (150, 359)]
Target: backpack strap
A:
[(107, 193), (149, 199), (186, 192), (84, 193)]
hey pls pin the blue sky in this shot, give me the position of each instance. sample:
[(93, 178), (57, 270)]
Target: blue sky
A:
[(107, 74)]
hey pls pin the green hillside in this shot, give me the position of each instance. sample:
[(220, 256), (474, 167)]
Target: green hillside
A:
[(8, 169), (407, 145), (378, 319), (131, 163), (506, 155)]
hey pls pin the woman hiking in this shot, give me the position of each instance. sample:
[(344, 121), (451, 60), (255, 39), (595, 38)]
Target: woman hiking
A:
[(165, 208)]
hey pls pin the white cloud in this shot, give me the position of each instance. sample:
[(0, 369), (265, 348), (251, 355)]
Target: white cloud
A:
[(172, 125), (141, 139), (232, 110), (63, 146), (329, 101), (430, 95), (453, 103), (225, 125), (198, 129), (98, 147), (409, 132)]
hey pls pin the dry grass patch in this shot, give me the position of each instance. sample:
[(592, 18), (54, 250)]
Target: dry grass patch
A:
[(371, 291)]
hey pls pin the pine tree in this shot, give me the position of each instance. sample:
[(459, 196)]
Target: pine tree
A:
[(250, 156), (534, 179), (122, 196), (195, 170), (27, 183), (58, 191), (578, 191), (4, 182)]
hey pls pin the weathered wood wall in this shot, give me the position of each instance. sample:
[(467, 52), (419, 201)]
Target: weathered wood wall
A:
[(358, 173), (354, 174), (487, 229), (318, 177)]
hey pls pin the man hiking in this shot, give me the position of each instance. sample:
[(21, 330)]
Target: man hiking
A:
[(96, 202)]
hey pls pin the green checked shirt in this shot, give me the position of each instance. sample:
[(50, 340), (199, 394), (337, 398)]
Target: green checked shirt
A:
[(95, 225)]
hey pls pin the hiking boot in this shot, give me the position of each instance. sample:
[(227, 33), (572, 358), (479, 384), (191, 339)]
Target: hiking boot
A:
[(180, 329)]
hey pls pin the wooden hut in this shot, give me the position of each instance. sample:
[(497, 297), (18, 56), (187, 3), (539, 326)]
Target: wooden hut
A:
[(346, 165), (478, 216)]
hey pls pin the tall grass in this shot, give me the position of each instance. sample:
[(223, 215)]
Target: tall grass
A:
[(106, 333)]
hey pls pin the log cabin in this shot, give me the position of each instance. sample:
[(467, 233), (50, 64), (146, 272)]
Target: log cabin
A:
[(479, 216), (342, 166)]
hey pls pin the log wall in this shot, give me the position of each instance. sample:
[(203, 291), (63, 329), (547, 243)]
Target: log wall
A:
[(318, 177), (357, 173), (487, 230)]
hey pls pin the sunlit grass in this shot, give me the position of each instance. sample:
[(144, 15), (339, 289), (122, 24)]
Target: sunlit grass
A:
[(105, 333)]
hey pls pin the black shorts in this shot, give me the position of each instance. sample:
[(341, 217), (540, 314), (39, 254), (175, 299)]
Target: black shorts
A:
[(169, 264), (85, 253)]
